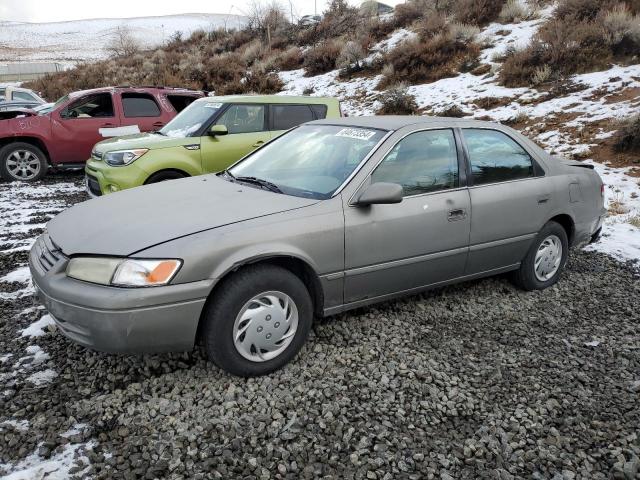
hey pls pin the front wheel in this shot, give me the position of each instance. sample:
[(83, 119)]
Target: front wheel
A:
[(545, 260), (257, 321), (22, 161), (163, 177)]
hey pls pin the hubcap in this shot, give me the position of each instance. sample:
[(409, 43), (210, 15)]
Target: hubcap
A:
[(23, 164), (548, 258), (265, 326)]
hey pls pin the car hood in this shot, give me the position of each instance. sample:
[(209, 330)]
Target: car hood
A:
[(126, 222), (143, 140)]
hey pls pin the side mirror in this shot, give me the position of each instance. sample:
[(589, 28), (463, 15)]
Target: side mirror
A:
[(218, 130), (381, 193)]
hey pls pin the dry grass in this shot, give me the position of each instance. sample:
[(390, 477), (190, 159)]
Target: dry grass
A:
[(634, 220), (627, 138), (396, 100), (583, 36), (616, 204)]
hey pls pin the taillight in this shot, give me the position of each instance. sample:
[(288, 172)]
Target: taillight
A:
[(602, 190)]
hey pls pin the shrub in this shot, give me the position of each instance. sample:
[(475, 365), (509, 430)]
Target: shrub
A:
[(580, 9), (396, 100), (515, 11), (432, 25), (627, 138), (477, 12), (541, 75), (123, 43), (453, 111), (622, 29), (462, 33), (351, 56), (419, 61), (321, 59)]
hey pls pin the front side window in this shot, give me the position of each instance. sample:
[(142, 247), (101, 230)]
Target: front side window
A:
[(243, 119), (92, 106), (139, 105), (192, 119), (422, 162), (311, 160), (496, 157), (289, 116)]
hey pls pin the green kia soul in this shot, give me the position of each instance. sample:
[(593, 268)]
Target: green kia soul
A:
[(206, 137)]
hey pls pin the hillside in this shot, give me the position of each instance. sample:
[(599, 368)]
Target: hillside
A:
[(568, 84), (85, 40)]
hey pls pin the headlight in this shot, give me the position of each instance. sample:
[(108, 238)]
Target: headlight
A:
[(123, 272), (124, 157)]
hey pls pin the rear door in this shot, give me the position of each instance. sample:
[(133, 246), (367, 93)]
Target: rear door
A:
[(283, 117), (247, 126), (510, 199), (142, 110), (85, 121), (424, 239)]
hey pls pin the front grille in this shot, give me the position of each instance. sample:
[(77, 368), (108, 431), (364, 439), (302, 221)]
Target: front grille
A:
[(93, 186), (47, 253), (96, 155)]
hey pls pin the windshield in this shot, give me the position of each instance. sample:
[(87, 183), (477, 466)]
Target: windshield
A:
[(191, 119), (310, 161)]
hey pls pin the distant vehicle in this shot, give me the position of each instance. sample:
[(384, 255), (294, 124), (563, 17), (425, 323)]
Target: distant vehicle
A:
[(373, 8), (19, 104), (19, 94), (333, 215), (208, 136), (44, 107), (309, 20), (63, 136)]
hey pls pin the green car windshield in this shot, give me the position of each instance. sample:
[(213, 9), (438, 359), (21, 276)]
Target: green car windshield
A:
[(191, 119), (311, 160)]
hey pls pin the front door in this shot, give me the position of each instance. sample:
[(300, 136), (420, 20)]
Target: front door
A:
[(82, 124), (248, 130), (421, 241), (509, 199)]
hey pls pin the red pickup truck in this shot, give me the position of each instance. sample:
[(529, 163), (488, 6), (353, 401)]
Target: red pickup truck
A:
[(63, 136)]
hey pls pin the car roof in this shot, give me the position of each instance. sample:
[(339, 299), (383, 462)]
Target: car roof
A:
[(396, 122), (270, 99), (132, 89)]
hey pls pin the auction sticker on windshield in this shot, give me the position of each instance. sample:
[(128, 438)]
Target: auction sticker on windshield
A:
[(357, 133)]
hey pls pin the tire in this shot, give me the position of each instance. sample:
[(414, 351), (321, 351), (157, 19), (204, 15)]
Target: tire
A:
[(223, 320), (547, 241), (163, 176), (34, 165)]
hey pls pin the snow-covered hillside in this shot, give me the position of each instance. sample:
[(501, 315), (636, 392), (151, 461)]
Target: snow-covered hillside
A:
[(85, 40)]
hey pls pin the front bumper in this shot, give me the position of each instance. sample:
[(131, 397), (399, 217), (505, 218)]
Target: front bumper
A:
[(101, 179), (112, 319)]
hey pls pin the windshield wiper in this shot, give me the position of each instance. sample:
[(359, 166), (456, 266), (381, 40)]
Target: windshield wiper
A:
[(258, 181), (159, 132)]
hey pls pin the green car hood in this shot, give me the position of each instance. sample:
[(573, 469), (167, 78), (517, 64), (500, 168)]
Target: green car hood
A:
[(152, 141)]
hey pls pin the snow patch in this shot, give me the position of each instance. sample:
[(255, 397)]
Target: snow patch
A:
[(37, 328), (57, 467), (42, 378)]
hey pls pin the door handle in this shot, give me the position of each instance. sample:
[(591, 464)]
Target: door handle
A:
[(108, 125), (543, 199), (456, 214), (158, 124), (258, 143)]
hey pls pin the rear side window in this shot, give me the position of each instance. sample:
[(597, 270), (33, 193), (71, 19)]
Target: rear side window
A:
[(139, 105), (289, 116), (320, 111), (180, 102), (496, 157)]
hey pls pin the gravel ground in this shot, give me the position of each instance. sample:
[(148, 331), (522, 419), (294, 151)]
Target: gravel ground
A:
[(478, 380)]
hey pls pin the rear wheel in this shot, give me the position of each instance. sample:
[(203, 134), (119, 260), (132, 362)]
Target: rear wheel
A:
[(164, 176), (257, 320), (545, 260), (22, 161)]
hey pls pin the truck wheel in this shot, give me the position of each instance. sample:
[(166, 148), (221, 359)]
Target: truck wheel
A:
[(257, 320), (21, 161), (545, 260)]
